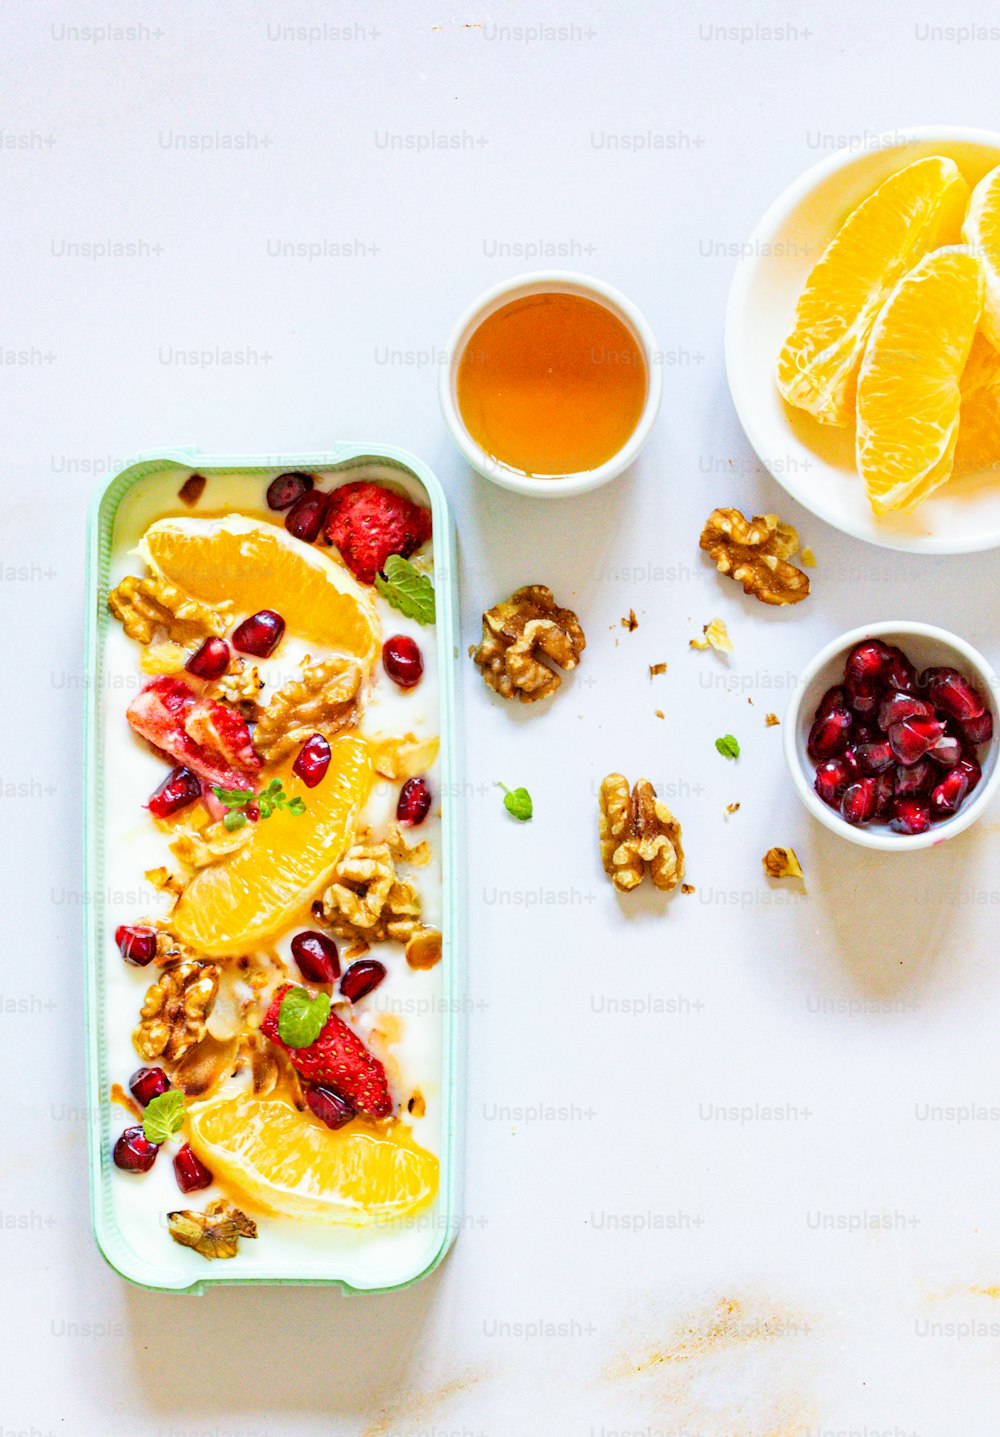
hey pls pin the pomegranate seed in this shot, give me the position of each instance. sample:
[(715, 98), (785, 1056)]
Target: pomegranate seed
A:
[(832, 778), (913, 737), (947, 690), (178, 789), (362, 978), (863, 698), (133, 1152), (305, 518), (866, 664), (252, 810), (828, 735), (948, 795), (287, 488), (317, 956), (835, 698), (402, 661), (900, 673), (190, 1171), (330, 1107), (313, 760), (969, 764), (260, 634), (414, 802), (915, 781), (864, 732), (859, 801), (899, 706), (136, 943), (977, 730), (148, 1083), (947, 750), (910, 815), (210, 661), (885, 794), (874, 757)]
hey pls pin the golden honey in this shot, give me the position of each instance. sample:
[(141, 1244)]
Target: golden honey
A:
[(552, 384)]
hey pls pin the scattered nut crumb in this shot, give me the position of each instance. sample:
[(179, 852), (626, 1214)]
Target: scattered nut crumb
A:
[(732, 808), (781, 863), (808, 558), (656, 669), (192, 489), (687, 888), (716, 636), (659, 713), (772, 720), (631, 623), (417, 1105)]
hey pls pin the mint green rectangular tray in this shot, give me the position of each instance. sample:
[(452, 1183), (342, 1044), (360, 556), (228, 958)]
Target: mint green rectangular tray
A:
[(175, 1273)]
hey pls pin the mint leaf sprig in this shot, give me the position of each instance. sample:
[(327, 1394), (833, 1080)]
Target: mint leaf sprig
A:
[(302, 1017), (164, 1116), (406, 589), (517, 802), (269, 798), (728, 746)]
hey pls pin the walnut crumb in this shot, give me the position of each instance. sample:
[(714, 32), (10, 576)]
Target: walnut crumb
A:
[(192, 489), (732, 808), (808, 558), (688, 888), (656, 669), (781, 863), (631, 623), (772, 720), (715, 636), (659, 713)]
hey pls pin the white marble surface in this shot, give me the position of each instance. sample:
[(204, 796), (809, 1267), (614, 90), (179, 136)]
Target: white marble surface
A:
[(828, 1271)]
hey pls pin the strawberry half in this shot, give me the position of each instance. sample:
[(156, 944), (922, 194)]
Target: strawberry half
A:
[(337, 1059), (368, 523), (200, 734)]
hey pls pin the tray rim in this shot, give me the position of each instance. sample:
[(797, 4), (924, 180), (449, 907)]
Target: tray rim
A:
[(100, 520)]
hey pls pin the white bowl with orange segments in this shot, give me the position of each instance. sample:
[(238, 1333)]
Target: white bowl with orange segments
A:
[(863, 340)]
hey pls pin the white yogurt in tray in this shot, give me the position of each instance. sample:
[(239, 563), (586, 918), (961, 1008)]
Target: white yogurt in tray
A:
[(408, 1020)]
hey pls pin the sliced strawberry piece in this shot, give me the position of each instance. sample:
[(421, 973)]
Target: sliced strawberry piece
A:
[(218, 751), (368, 522), (337, 1059), (223, 730)]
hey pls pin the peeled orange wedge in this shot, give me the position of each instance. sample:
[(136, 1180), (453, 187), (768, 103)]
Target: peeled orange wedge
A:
[(233, 906), (981, 230), (978, 444), (912, 212), (289, 1162), (908, 386), (256, 565)]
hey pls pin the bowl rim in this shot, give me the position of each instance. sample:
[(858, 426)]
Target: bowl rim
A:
[(535, 282), (741, 285), (883, 839)]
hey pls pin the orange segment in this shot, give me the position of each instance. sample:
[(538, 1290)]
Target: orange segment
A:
[(908, 388), (255, 566), (982, 230), (289, 1162), (978, 444), (913, 211), (234, 905)]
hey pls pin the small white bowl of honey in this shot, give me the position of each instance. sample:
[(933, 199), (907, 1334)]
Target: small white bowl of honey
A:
[(551, 385)]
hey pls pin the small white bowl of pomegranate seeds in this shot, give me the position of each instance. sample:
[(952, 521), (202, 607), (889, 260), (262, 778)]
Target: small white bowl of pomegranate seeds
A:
[(890, 737)]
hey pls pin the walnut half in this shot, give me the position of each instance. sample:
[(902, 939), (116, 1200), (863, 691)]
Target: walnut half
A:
[(517, 634), (366, 901), (174, 1014), (325, 698), (755, 552), (216, 1232), (636, 829)]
